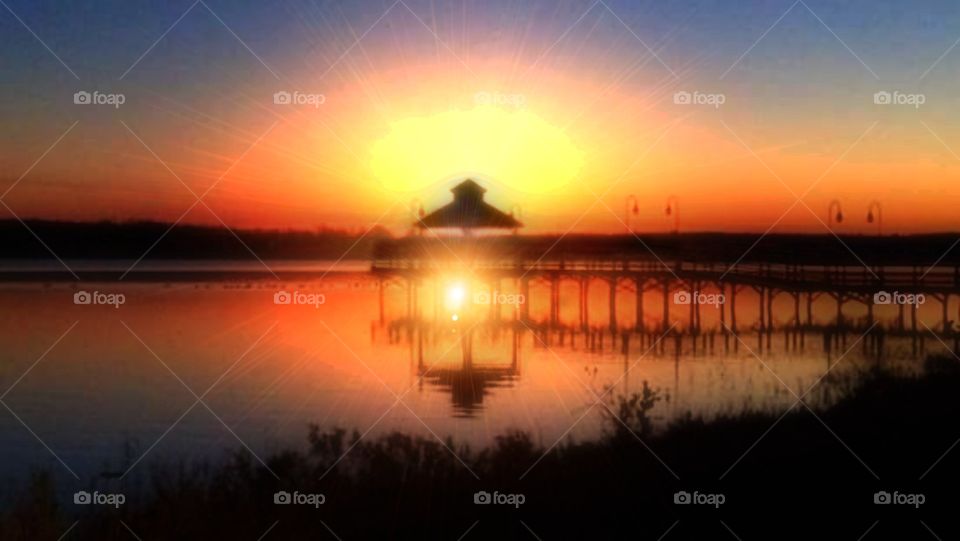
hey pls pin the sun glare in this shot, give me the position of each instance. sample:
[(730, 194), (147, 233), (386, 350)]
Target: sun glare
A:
[(456, 294), (516, 148)]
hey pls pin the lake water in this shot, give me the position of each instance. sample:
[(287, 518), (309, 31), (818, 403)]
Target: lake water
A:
[(107, 388)]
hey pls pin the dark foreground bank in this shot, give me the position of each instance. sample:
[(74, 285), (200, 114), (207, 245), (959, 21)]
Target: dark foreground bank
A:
[(748, 477)]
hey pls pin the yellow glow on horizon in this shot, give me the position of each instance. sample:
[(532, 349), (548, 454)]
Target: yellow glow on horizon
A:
[(514, 147)]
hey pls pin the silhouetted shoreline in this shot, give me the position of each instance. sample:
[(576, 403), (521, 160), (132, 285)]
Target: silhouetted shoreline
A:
[(132, 240), (888, 433), (154, 241)]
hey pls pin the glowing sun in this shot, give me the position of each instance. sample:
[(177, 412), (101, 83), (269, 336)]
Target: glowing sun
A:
[(516, 148)]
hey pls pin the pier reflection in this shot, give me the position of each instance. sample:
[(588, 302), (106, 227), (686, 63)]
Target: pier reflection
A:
[(466, 335)]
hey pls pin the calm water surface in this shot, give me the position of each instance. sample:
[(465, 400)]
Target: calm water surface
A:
[(103, 386)]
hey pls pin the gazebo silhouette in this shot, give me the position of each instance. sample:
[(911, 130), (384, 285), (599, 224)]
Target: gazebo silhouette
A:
[(468, 211)]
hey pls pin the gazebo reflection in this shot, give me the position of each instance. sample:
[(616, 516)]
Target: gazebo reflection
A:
[(468, 387), (478, 369)]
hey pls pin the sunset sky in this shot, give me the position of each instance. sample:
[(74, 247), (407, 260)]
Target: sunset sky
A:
[(550, 104)]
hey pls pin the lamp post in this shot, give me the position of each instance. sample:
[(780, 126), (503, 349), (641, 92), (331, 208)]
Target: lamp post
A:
[(834, 213), (875, 214), (673, 209), (632, 209)]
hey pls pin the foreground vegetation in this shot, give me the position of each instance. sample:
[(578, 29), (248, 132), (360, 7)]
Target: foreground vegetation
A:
[(806, 476)]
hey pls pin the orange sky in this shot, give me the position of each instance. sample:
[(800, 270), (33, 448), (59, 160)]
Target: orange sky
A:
[(732, 167)]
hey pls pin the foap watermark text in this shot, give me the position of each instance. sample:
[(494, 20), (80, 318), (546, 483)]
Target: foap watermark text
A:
[(698, 498), (298, 297), (899, 98), (485, 498), (83, 497), (699, 297), (296, 97), (283, 497), (497, 297), (683, 97), (498, 98), (895, 297), (96, 97), (99, 297), (898, 498)]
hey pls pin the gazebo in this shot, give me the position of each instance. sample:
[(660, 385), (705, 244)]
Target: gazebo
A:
[(468, 211)]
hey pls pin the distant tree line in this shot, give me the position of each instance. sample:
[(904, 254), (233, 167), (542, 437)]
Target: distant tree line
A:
[(129, 240)]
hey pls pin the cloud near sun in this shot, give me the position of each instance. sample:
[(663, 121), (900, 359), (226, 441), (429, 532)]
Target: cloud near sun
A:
[(515, 148)]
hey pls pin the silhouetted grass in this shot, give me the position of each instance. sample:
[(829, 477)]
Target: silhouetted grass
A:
[(796, 476)]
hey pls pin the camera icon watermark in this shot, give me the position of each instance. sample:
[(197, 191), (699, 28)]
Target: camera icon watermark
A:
[(496, 98), (683, 97), (98, 297), (896, 97), (897, 298), (683, 497), (300, 298), (699, 297), (283, 497), (485, 498), (282, 97), (897, 498), (96, 97), (83, 497)]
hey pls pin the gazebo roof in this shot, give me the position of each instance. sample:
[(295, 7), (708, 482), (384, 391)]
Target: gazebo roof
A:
[(468, 210)]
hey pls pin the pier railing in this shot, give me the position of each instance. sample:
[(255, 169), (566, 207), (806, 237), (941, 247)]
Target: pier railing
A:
[(853, 278)]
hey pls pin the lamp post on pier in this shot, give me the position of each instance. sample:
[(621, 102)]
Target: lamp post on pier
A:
[(673, 209), (834, 213), (632, 209), (875, 217)]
